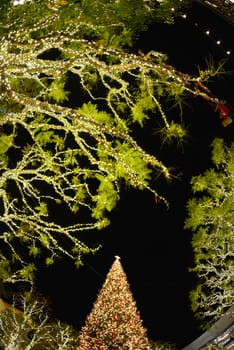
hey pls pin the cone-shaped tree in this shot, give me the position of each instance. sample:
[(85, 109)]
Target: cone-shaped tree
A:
[(114, 322)]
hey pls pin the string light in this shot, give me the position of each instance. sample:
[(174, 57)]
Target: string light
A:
[(208, 32), (18, 2)]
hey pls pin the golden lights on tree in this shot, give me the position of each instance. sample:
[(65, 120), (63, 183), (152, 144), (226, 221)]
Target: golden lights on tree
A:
[(56, 153), (114, 322), (211, 219), (32, 327)]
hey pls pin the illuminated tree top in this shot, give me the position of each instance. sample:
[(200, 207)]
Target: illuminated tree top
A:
[(114, 322)]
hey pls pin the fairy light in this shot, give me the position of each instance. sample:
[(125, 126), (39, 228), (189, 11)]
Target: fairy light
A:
[(18, 2), (110, 316), (24, 63), (208, 32)]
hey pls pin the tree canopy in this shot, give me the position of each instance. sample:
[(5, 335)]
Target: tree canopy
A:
[(71, 90), (211, 219), (31, 327)]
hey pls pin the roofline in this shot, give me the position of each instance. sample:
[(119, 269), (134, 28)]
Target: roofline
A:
[(219, 327), (208, 4)]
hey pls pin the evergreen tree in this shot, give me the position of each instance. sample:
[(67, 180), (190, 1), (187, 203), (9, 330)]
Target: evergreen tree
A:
[(70, 92), (114, 322), (211, 219)]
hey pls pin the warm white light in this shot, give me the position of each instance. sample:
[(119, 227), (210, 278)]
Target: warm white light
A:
[(172, 9), (208, 32), (228, 52), (218, 42), (184, 15), (18, 2)]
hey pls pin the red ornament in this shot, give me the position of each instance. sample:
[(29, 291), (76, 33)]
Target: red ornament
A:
[(224, 113), (157, 199), (223, 109)]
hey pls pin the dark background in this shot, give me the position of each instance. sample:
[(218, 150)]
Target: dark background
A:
[(154, 248)]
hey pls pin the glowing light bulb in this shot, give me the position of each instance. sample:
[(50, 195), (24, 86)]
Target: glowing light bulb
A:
[(184, 15), (208, 32), (172, 9), (18, 2), (218, 42), (228, 52)]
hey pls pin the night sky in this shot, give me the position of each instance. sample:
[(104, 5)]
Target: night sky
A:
[(154, 248)]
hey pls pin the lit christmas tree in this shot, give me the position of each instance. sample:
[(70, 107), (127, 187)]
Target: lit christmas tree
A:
[(114, 322)]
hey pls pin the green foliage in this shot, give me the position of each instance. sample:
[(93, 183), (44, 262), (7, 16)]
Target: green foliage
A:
[(132, 167), (28, 324), (90, 110), (122, 31), (173, 132), (211, 218), (162, 345), (168, 9), (42, 209), (106, 196), (6, 142), (44, 240), (45, 136), (5, 269), (57, 92), (34, 251), (139, 109), (107, 21), (70, 93), (27, 273), (49, 261), (28, 86), (213, 70)]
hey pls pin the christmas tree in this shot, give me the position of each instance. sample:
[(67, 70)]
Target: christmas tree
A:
[(114, 322)]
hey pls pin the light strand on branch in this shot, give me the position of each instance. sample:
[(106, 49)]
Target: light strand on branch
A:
[(69, 94)]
